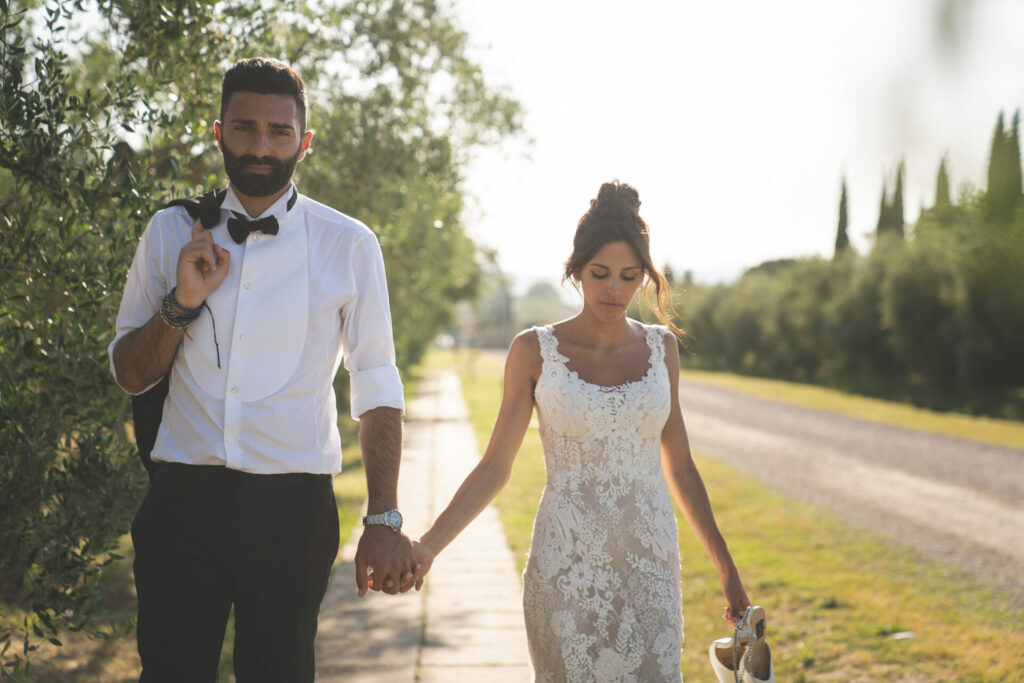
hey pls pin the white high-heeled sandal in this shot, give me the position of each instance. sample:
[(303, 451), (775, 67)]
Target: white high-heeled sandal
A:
[(746, 656)]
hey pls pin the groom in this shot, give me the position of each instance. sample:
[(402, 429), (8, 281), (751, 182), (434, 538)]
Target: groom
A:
[(249, 312)]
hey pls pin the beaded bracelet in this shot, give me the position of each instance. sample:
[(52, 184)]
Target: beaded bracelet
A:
[(174, 300), (170, 312)]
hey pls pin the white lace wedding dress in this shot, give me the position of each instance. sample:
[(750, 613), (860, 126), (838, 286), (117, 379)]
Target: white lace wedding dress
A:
[(601, 587)]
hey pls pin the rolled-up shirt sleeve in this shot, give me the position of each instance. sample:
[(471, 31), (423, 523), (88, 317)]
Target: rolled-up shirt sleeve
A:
[(367, 342), (145, 287)]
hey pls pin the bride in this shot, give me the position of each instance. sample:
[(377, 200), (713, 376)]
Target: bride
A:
[(601, 588)]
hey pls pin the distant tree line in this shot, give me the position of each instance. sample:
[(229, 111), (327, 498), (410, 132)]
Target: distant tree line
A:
[(106, 113), (932, 314)]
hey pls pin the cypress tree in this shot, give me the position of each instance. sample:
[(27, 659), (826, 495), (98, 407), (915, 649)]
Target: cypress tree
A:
[(883, 211), (997, 196), (942, 198), (896, 208), (1012, 161), (995, 159), (842, 239)]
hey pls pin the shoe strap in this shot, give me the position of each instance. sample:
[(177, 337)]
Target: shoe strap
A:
[(742, 630)]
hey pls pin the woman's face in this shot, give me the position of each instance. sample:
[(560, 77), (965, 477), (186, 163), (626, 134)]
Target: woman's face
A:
[(610, 279)]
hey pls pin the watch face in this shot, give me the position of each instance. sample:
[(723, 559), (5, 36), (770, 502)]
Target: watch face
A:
[(393, 518)]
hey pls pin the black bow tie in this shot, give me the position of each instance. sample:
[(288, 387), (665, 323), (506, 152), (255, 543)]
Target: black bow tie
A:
[(239, 226)]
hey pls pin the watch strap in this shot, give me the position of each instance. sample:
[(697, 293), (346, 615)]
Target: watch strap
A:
[(392, 519)]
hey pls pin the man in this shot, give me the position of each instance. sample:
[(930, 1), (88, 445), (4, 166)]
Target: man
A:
[(251, 320)]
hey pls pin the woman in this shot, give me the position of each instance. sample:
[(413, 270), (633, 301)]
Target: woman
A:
[(601, 587)]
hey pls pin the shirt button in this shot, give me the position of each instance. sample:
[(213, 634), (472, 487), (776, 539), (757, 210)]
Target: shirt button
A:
[(248, 285), (234, 390)]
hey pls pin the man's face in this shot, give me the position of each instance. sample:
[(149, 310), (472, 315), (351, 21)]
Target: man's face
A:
[(261, 142)]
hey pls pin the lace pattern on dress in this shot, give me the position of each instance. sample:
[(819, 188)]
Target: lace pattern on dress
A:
[(602, 597)]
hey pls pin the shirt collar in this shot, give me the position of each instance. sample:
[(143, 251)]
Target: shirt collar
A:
[(278, 209)]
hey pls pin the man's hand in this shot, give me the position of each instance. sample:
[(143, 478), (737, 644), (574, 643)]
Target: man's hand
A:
[(385, 562), (202, 265)]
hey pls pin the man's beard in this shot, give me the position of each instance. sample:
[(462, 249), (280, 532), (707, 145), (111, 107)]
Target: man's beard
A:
[(259, 184)]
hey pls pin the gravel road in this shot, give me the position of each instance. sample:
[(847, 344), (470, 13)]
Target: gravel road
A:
[(958, 501)]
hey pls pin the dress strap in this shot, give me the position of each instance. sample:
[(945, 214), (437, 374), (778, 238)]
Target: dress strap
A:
[(656, 342), (548, 343)]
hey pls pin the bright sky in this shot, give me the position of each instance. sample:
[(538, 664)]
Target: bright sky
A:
[(735, 119)]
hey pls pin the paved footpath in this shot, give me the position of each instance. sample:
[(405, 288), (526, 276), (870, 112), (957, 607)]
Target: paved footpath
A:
[(467, 622)]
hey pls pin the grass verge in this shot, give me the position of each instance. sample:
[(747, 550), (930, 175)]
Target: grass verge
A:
[(842, 605), (981, 429)]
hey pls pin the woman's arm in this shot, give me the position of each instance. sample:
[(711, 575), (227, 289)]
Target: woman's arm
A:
[(687, 488), (522, 367)]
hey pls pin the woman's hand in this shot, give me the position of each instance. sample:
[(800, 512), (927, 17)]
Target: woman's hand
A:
[(424, 558), (735, 597)]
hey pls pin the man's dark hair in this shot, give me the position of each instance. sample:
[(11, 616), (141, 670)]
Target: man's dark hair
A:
[(266, 77)]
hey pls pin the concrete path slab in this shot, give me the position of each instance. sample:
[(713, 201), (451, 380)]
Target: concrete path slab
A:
[(467, 623)]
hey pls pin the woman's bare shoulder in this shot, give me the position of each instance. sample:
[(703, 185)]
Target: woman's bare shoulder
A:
[(524, 354)]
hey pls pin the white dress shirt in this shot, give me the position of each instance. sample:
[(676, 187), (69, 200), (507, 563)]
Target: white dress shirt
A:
[(291, 306)]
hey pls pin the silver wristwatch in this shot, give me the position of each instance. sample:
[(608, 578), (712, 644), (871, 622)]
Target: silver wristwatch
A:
[(392, 519)]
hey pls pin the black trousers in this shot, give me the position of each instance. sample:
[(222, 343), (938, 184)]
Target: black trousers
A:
[(209, 537)]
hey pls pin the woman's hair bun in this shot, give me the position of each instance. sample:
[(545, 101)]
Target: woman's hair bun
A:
[(615, 195)]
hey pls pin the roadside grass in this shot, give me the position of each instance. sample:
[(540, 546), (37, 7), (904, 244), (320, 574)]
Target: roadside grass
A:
[(982, 429), (842, 604)]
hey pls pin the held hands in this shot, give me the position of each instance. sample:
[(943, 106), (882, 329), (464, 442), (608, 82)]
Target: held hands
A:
[(385, 562), (202, 265)]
